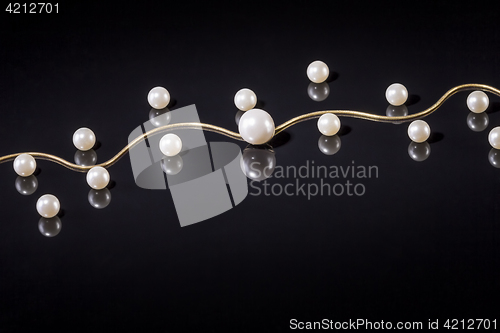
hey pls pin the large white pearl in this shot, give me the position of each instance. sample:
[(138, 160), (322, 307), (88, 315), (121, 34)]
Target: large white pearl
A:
[(318, 71), (98, 178), (477, 101), (494, 137), (84, 139), (158, 97), (396, 94), (48, 205), (329, 124), (170, 144), (419, 131), (24, 165), (245, 99), (256, 126)]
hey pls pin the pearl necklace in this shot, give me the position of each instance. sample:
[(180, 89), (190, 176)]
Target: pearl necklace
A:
[(255, 126)]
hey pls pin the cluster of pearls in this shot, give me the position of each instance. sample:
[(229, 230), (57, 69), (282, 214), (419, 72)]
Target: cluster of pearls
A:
[(84, 139), (48, 205), (478, 102), (255, 126), (397, 95), (159, 97)]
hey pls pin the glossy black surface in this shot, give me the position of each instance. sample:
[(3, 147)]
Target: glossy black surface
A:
[(422, 243)]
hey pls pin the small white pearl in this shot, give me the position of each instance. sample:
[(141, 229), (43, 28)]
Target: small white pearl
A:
[(98, 178), (329, 124), (170, 144), (158, 97), (396, 94), (245, 99), (256, 126), (24, 165), (478, 101), (318, 71), (84, 139), (48, 205), (419, 131), (494, 137)]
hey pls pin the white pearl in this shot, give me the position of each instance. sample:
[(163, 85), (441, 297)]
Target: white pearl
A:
[(170, 144), (48, 205), (24, 165), (98, 178), (419, 131), (158, 97), (84, 139), (329, 124), (396, 94), (477, 101), (494, 137), (245, 99), (318, 71), (256, 126)]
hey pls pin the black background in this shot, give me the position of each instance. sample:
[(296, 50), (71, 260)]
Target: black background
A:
[(422, 243)]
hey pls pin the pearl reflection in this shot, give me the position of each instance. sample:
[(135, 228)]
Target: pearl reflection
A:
[(237, 117), (26, 185), (318, 91), (258, 163), (494, 157), (85, 158), (478, 121), (419, 151), (159, 117), (172, 165), (329, 145), (99, 198), (396, 111), (49, 227)]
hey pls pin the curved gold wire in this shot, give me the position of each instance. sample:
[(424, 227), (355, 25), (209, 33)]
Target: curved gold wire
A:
[(280, 128)]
